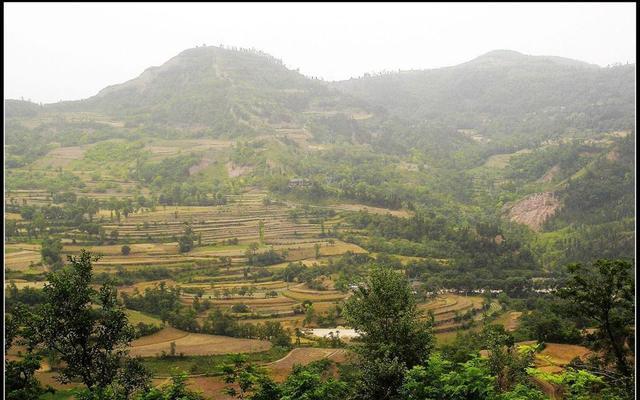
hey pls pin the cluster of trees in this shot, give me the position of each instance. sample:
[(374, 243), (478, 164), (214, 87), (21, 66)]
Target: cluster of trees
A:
[(349, 267), (481, 254), (265, 258), (71, 211)]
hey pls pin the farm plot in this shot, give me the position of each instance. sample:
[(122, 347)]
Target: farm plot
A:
[(135, 317), (194, 344), (447, 308), (301, 356), (240, 219), (299, 294), (555, 356), (22, 260), (60, 157)]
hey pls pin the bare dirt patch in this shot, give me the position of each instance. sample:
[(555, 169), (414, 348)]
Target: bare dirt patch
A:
[(201, 166), (300, 356), (550, 174), (235, 171), (534, 210)]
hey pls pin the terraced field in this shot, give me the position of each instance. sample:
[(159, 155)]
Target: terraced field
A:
[(194, 344), (302, 356)]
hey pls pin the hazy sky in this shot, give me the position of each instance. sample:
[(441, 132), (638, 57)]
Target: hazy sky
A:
[(69, 51)]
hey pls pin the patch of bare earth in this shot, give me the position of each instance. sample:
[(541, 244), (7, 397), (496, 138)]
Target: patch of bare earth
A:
[(201, 166), (534, 210), (613, 155), (280, 369), (235, 171), (550, 174), (512, 322)]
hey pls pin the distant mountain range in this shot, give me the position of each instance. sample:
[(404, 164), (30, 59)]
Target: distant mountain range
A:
[(244, 90)]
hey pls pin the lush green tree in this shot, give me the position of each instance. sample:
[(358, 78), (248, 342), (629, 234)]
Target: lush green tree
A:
[(87, 330), (604, 291), (51, 252), (125, 250), (241, 377), (394, 336), (507, 362), (311, 383), (185, 242), (442, 379)]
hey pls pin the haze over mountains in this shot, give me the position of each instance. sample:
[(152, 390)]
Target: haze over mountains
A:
[(207, 83)]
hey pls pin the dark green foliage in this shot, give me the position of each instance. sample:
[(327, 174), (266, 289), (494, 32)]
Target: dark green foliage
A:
[(19, 375), (268, 257), (159, 300), (240, 308), (311, 382), (51, 252), (393, 338), (91, 341), (20, 381), (547, 327), (176, 390), (27, 296), (442, 379), (604, 292), (185, 242)]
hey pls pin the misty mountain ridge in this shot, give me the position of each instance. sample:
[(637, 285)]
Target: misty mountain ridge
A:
[(241, 89)]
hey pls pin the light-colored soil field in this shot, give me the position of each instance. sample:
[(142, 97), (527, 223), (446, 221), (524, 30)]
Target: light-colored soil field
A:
[(151, 249), (239, 219), (344, 333), (559, 355), (212, 387), (60, 157), (300, 356), (194, 344), (314, 296), (446, 307), (534, 210), (21, 260), (12, 216)]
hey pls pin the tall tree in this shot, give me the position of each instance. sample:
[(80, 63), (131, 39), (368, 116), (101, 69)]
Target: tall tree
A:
[(394, 334), (88, 331), (604, 292), (50, 251)]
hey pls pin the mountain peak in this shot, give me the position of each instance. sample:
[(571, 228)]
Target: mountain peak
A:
[(511, 57)]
